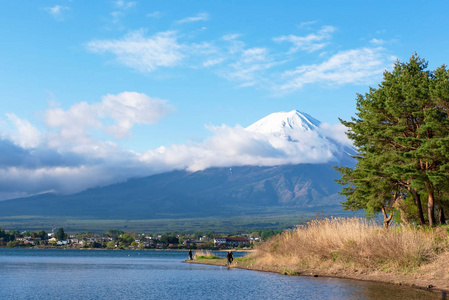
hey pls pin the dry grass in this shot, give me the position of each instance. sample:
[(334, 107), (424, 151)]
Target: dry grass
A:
[(351, 243), (204, 254)]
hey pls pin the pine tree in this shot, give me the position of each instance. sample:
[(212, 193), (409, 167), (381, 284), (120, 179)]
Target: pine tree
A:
[(402, 135)]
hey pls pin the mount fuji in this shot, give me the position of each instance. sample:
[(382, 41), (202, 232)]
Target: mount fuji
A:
[(306, 183), (298, 133), (285, 124)]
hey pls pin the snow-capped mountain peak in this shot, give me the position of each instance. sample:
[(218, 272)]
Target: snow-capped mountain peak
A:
[(301, 136), (283, 123)]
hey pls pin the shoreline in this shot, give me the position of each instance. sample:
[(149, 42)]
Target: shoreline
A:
[(146, 249), (386, 278)]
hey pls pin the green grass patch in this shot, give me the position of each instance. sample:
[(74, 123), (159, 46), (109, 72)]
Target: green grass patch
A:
[(207, 257)]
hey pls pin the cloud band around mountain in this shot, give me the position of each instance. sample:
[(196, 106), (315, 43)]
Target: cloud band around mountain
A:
[(68, 158)]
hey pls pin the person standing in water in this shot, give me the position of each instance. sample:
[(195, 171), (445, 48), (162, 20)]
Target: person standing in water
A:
[(190, 254)]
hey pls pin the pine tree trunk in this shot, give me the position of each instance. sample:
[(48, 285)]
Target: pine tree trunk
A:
[(417, 198), (431, 208), (387, 219), (441, 215)]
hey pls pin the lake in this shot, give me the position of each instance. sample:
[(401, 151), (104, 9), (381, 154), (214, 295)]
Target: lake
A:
[(109, 274)]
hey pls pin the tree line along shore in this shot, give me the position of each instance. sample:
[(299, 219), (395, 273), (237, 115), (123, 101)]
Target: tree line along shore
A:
[(118, 239)]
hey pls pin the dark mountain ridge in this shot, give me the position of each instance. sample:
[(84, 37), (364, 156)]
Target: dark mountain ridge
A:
[(212, 192)]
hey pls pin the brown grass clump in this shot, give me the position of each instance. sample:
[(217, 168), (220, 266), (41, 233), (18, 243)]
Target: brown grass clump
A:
[(204, 254), (353, 243)]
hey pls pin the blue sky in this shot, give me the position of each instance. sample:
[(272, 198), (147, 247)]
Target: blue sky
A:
[(97, 87)]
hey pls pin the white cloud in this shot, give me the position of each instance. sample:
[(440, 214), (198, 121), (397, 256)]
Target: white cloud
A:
[(336, 132), (57, 11), (347, 67), (198, 17), (311, 42), (307, 24), (142, 53), (262, 67), (123, 110), (129, 108), (70, 155), (154, 14), (122, 8), (67, 159), (234, 46), (25, 181), (213, 62), (251, 66), (235, 146), (230, 37), (27, 136), (124, 4), (377, 41), (254, 55)]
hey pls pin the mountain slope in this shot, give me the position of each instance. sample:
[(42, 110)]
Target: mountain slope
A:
[(247, 190), (212, 192)]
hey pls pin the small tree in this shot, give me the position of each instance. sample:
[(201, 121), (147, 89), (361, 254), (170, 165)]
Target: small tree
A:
[(60, 234), (110, 245)]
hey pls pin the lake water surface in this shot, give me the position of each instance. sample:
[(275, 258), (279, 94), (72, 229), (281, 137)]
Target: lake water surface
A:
[(108, 274)]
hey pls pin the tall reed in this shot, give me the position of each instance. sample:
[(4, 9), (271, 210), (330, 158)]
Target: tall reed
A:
[(350, 242), (204, 254)]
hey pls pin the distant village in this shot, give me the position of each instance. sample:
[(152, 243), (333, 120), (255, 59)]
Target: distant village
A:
[(117, 239)]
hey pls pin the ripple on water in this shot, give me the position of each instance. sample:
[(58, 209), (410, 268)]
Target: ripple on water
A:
[(84, 274)]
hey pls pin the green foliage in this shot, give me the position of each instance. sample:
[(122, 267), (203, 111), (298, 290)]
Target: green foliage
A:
[(6, 236), (39, 234), (60, 234), (126, 239), (265, 234), (110, 245), (169, 239), (207, 257), (114, 233), (12, 244), (402, 135)]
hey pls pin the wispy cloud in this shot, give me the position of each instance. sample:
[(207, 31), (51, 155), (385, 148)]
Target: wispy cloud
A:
[(154, 14), (265, 67), (346, 67), (311, 42), (307, 24), (145, 54), (250, 66), (57, 11), (213, 62), (122, 8), (27, 135), (377, 41), (197, 18), (125, 4)]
